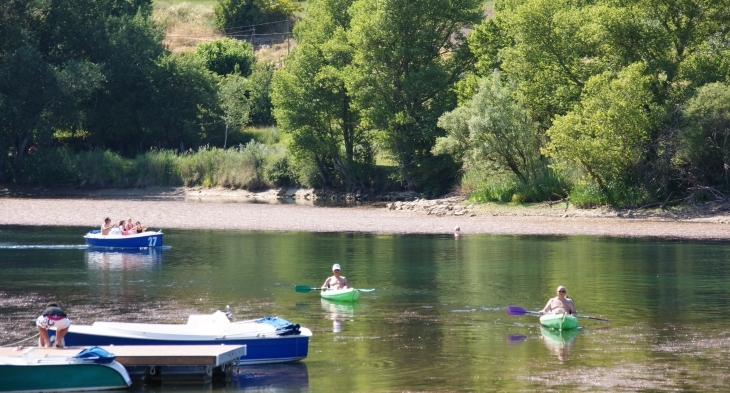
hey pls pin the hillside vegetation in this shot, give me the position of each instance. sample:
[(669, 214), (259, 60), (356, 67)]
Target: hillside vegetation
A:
[(599, 103)]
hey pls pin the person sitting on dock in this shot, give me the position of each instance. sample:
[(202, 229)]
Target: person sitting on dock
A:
[(107, 226), (560, 304), (336, 281), (52, 316)]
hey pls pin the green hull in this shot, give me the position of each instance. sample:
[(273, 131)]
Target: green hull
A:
[(559, 321), (560, 338), (341, 295), (61, 378)]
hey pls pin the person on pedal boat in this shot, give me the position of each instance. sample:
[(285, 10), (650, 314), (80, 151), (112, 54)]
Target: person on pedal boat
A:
[(560, 304), (52, 316), (336, 281), (107, 226)]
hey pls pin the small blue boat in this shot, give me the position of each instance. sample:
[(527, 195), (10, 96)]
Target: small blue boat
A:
[(116, 240), (267, 340)]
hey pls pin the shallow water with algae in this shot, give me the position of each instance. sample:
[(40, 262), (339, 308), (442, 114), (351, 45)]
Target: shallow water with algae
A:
[(436, 321)]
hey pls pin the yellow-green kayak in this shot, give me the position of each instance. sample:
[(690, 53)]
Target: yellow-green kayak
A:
[(341, 295)]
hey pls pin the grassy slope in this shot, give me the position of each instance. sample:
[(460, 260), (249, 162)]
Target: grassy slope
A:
[(190, 22)]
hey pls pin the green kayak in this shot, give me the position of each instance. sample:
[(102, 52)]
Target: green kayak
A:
[(341, 295), (559, 321)]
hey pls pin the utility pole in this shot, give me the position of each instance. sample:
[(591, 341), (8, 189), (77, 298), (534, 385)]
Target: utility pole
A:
[(253, 40), (287, 35)]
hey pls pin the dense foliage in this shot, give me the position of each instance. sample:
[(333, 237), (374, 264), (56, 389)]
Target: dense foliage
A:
[(86, 75), (627, 98), (375, 72), (237, 14), (604, 101)]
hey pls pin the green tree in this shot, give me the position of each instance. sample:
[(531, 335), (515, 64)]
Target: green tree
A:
[(186, 101), (226, 56), (493, 129), (36, 96), (549, 54), (407, 55), (703, 154), (123, 113), (28, 89), (233, 102), (313, 103), (607, 131), (259, 94)]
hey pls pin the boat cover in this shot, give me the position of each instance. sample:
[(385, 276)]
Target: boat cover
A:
[(99, 355), (283, 327)]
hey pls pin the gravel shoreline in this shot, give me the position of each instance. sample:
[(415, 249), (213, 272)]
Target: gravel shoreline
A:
[(221, 211)]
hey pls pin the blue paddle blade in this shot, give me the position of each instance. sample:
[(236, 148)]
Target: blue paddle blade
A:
[(516, 311)]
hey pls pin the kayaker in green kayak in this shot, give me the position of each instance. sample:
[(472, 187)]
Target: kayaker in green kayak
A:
[(560, 304), (336, 281)]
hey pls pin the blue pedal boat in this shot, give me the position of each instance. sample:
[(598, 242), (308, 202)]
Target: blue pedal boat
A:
[(267, 340), (116, 240)]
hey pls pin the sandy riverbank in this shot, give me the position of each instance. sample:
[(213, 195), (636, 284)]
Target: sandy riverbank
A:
[(225, 209)]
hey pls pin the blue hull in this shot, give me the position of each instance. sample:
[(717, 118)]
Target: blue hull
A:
[(154, 239), (258, 350)]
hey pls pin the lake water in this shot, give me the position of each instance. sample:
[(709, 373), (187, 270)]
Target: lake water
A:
[(436, 321)]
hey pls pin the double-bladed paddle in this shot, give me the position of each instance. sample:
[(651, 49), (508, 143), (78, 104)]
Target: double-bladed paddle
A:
[(517, 311), (307, 288)]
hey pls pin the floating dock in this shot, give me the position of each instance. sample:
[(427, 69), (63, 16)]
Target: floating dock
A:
[(161, 363)]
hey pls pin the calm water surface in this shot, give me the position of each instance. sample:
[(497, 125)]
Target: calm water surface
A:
[(436, 320)]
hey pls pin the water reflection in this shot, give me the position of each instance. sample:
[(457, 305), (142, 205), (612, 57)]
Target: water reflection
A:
[(286, 377), (559, 342), (124, 259), (338, 312)]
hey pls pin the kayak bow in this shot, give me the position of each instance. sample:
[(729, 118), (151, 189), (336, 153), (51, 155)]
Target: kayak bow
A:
[(341, 295)]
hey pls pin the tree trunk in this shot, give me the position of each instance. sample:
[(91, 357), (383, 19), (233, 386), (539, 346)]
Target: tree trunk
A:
[(3, 156), (18, 159), (322, 172), (225, 140)]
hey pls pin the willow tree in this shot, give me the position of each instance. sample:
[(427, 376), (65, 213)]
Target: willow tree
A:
[(607, 132)]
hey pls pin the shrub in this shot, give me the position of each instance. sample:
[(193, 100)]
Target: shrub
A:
[(101, 168), (51, 166), (156, 168), (246, 13), (485, 186), (589, 194), (227, 56)]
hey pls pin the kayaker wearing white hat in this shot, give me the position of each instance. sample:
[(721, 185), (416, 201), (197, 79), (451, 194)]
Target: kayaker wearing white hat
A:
[(560, 304), (336, 281)]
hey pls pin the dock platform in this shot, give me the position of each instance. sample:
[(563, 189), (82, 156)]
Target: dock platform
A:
[(157, 363)]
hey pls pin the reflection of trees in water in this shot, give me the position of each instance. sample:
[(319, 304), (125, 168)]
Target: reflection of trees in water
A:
[(119, 274)]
